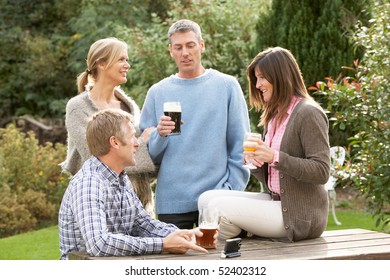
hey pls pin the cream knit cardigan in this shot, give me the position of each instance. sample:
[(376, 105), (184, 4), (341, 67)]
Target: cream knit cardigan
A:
[(78, 110)]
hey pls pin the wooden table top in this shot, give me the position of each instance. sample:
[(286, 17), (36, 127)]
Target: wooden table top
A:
[(337, 245)]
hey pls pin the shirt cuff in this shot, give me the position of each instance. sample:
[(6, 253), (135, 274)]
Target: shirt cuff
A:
[(275, 161), (155, 246)]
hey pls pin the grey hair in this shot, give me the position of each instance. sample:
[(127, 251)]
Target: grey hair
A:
[(185, 25)]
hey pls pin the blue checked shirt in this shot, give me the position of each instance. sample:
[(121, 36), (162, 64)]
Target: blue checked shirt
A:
[(102, 215)]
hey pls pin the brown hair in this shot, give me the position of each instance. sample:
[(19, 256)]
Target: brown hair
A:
[(106, 50), (279, 67), (102, 126)]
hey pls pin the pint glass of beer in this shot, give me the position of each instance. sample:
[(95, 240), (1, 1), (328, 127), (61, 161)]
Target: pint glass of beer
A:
[(173, 110), (208, 224)]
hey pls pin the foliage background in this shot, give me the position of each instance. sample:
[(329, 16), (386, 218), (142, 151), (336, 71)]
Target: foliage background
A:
[(360, 104), (44, 43)]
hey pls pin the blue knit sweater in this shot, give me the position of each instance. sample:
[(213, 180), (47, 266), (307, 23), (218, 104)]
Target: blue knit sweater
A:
[(208, 154)]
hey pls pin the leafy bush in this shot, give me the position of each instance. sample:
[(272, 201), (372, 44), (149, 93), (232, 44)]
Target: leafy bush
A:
[(31, 182), (361, 104), (14, 217)]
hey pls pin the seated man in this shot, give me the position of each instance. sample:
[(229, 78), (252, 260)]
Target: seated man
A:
[(100, 213)]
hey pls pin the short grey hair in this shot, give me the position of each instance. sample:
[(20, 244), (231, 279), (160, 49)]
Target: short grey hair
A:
[(185, 25)]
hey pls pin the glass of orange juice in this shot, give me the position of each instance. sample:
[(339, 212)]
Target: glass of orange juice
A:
[(250, 146)]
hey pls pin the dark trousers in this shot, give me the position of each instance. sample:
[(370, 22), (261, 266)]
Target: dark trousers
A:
[(187, 220)]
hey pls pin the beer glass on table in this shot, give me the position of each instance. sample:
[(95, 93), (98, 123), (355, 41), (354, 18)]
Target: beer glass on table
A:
[(208, 225), (173, 110), (249, 146)]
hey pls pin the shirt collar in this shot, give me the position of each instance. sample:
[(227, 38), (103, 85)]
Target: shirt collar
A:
[(294, 101), (107, 172)]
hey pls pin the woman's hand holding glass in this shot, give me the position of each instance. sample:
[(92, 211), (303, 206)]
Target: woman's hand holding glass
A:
[(250, 143), (256, 152)]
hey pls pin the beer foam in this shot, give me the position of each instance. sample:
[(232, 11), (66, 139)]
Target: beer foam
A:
[(208, 226), (249, 144), (172, 107)]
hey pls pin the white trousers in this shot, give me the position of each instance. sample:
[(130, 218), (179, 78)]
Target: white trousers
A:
[(254, 212)]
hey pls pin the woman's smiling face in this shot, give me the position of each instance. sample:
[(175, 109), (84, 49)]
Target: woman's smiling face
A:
[(263, 86)]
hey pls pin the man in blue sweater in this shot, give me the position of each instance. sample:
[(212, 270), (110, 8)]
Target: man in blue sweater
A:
[(208, 153)]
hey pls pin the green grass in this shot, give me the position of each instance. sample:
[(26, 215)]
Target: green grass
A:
[(44, 245), (36, 245), (352, 219)]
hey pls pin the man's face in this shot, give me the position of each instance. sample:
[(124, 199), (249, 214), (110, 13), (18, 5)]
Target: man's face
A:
[(186, 50), (128, 146)]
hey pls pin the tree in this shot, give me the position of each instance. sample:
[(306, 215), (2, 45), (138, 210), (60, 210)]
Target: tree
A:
[(33, 48), (316, 32)]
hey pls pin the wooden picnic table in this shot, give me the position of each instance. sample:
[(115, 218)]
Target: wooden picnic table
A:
[(347, 244)]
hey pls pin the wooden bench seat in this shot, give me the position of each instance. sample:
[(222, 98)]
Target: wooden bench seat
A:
[(335, 245)]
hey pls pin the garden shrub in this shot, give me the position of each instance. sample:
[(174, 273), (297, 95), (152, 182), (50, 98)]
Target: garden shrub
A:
[(31, 182), (360, 103), (37, 204), (14, 217)]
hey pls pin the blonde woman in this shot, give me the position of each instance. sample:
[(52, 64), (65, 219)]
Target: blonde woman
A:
[(98, 87)]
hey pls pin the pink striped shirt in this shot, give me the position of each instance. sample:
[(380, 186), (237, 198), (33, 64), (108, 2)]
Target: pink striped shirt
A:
[(273, 139)]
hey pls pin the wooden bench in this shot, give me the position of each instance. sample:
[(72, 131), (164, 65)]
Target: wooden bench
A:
[(347, 244)]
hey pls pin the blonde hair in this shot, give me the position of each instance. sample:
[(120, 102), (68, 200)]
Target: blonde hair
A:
[(102, 126), (106, 51), (279, 68)]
